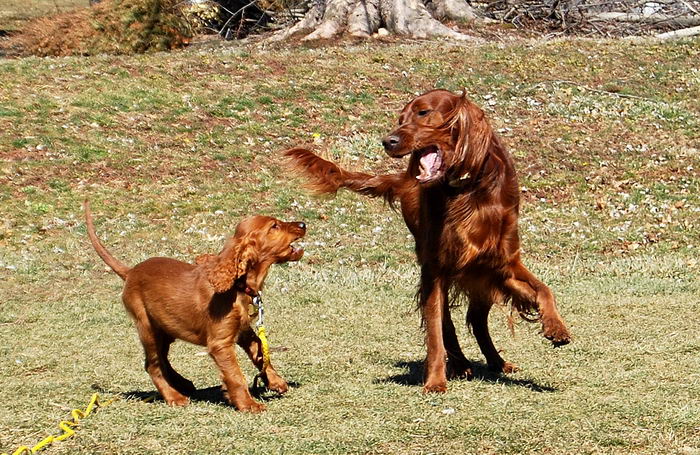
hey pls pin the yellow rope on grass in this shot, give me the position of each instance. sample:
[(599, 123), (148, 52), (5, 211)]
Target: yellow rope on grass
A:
[(67, 426)]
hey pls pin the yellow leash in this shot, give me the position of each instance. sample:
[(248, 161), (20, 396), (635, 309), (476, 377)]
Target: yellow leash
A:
[(67, 426), (259, 325), (265, 348)]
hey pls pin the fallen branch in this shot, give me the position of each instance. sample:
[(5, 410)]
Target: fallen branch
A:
[(685, 21), (682, 33)]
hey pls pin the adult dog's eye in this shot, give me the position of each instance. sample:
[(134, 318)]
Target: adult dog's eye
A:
[(275, 226), (423, 113)]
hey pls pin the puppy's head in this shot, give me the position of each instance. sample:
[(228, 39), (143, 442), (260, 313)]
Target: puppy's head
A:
[(259, 242), (271, 240)]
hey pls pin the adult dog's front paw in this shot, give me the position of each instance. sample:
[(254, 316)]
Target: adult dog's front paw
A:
[(459, 370), (556, 332)]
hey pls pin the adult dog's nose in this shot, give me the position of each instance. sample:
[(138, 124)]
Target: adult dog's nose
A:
[(391, 142)]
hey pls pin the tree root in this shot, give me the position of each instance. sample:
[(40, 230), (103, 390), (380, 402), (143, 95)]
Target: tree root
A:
[(363, 18)]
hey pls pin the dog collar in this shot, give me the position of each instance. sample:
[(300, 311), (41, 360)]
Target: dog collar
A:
[(241, 286), (461, 181)]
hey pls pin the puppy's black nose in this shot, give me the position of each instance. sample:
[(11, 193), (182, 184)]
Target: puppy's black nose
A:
[(391, 142), (302, 225)]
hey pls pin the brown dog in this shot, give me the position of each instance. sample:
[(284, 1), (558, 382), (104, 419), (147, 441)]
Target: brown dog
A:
[(460, 199), (206, 304)]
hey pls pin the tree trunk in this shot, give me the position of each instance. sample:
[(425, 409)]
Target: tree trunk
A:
[(362, 18)]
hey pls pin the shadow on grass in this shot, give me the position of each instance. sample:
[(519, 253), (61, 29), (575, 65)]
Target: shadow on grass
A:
[(414, 377), (212, 394)]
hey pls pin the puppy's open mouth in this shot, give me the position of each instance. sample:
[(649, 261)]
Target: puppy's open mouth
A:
[(296, 251), (430, 164)]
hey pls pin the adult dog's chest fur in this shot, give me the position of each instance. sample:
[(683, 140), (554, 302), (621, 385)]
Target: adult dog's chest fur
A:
[(455, 229)]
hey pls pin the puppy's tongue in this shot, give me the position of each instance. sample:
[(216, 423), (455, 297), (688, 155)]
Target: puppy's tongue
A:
[(296, 249), (430, 162)]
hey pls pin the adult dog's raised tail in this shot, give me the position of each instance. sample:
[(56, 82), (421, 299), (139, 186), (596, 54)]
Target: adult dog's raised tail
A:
[(119, 268), (327, 177)]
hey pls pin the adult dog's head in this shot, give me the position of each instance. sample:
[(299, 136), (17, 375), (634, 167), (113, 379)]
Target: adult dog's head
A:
[(447, 135)]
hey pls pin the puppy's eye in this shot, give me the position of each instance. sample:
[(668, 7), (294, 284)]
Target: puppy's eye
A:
[(423, 113)]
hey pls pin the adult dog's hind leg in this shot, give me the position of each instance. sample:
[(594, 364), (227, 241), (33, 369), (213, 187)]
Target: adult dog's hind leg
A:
[(252, 345), (457, 364), (526, 288), (478, 319)]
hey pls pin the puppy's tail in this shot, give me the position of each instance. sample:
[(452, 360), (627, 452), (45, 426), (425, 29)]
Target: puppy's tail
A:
[(327, 177), (119, 268)]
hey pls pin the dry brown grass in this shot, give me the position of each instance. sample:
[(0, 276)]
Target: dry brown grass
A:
[(15, 13), (112, 27)]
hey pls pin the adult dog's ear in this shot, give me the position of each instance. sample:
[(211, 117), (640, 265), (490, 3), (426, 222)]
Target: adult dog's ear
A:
[(472, 136), (233, 262)]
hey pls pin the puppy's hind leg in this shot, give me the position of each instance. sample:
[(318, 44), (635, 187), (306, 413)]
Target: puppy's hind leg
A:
[(175, 379), (155, 365)]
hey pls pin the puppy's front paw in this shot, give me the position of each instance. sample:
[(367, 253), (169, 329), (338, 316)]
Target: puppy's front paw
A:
[(435, 387), (504, 367), (178, 401), (509, 368), (280, 387), (459, 370), (253, 407), (274, 382)]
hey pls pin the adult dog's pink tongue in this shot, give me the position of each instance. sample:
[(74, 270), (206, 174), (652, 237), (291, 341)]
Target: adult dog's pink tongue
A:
[(428, 165)]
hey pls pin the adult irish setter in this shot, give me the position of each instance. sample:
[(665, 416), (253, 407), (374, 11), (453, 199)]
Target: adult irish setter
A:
[(206, 303), (459, 198)]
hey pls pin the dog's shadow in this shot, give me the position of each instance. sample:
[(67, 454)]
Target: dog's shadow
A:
[(413, 376), (213, 395)]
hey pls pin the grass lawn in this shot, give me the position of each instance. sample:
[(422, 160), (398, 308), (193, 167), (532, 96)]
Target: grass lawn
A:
[(174, 149)]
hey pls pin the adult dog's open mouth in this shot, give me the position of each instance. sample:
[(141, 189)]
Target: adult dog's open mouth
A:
[(430, 164)]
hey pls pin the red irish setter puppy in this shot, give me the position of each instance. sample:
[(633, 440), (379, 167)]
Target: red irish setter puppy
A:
[(459, 198), (206, 304)]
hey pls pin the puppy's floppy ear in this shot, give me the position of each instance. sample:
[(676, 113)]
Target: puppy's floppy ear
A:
[(247, 255), (233, 262)]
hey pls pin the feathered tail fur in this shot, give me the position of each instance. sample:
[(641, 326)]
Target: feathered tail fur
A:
[(327, 177), (119, 268)]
